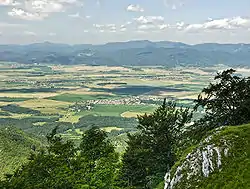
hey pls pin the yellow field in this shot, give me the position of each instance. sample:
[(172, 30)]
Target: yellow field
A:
[(39, 123), (180, 95), (131, 114), (17, 116), (45, 106), (86, 92), (70, 118), (28, 95), (86, 68), (40, 103), (4, 103), (109, 129), (78, 131)]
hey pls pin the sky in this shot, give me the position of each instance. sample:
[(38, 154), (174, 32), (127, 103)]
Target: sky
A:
[(102, 21)]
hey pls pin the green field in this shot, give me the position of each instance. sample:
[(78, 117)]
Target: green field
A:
[(8, 99), (66, 97), (117, 110)]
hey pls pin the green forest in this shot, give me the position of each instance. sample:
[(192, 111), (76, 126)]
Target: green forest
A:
[(159, 145)]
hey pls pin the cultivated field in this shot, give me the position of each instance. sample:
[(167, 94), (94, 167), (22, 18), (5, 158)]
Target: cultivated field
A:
[(36, 98)]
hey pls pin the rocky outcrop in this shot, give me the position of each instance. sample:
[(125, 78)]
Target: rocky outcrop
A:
[(206, 158)]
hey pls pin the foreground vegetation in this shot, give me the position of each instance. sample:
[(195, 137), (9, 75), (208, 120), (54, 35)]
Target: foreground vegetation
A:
[(227, 166), (15, 147), (235, 173)]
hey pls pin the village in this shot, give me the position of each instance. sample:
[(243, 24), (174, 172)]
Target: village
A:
[(134, 100)]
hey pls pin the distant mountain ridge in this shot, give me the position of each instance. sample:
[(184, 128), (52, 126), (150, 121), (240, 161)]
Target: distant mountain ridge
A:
[(131, 53)]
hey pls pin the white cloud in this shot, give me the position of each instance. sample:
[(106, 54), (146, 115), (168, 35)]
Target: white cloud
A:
[(149, 19), (40, 9), (9, 3), (105, 27), (68, 1), (30, 33), (146, 27), (180, 25), (123, 26), (77, 15), (22, 14), (151, 23), (163, 26), (221, 24), (153, 27), (135, 8), (44, 6), (193, 27)]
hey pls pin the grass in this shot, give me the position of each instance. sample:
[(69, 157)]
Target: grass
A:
[(66, 97), (16, 116), (235, 169), (120, 142), (235, 173), (132, 114), (38, 95), (46, 106), (78, 131), (8, 99), (69, 117), (117, 110), (39, 123)]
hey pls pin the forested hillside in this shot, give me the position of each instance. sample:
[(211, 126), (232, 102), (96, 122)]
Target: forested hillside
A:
[(15, 147)]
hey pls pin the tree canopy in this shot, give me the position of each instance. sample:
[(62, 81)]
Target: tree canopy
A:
[(62, 165), (227, 101), (152, 151)]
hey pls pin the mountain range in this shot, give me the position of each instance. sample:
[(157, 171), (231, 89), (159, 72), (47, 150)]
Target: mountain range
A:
[(131, 53)]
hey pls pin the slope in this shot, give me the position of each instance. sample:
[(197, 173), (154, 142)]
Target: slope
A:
[(15, 147), (221, 161)]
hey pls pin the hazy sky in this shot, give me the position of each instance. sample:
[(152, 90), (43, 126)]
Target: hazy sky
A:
[(101, 21)]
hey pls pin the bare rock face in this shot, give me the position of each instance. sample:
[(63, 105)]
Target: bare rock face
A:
[(199, 163)]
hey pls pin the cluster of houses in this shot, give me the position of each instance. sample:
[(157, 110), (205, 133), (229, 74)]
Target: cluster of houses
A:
[(89, 104)]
